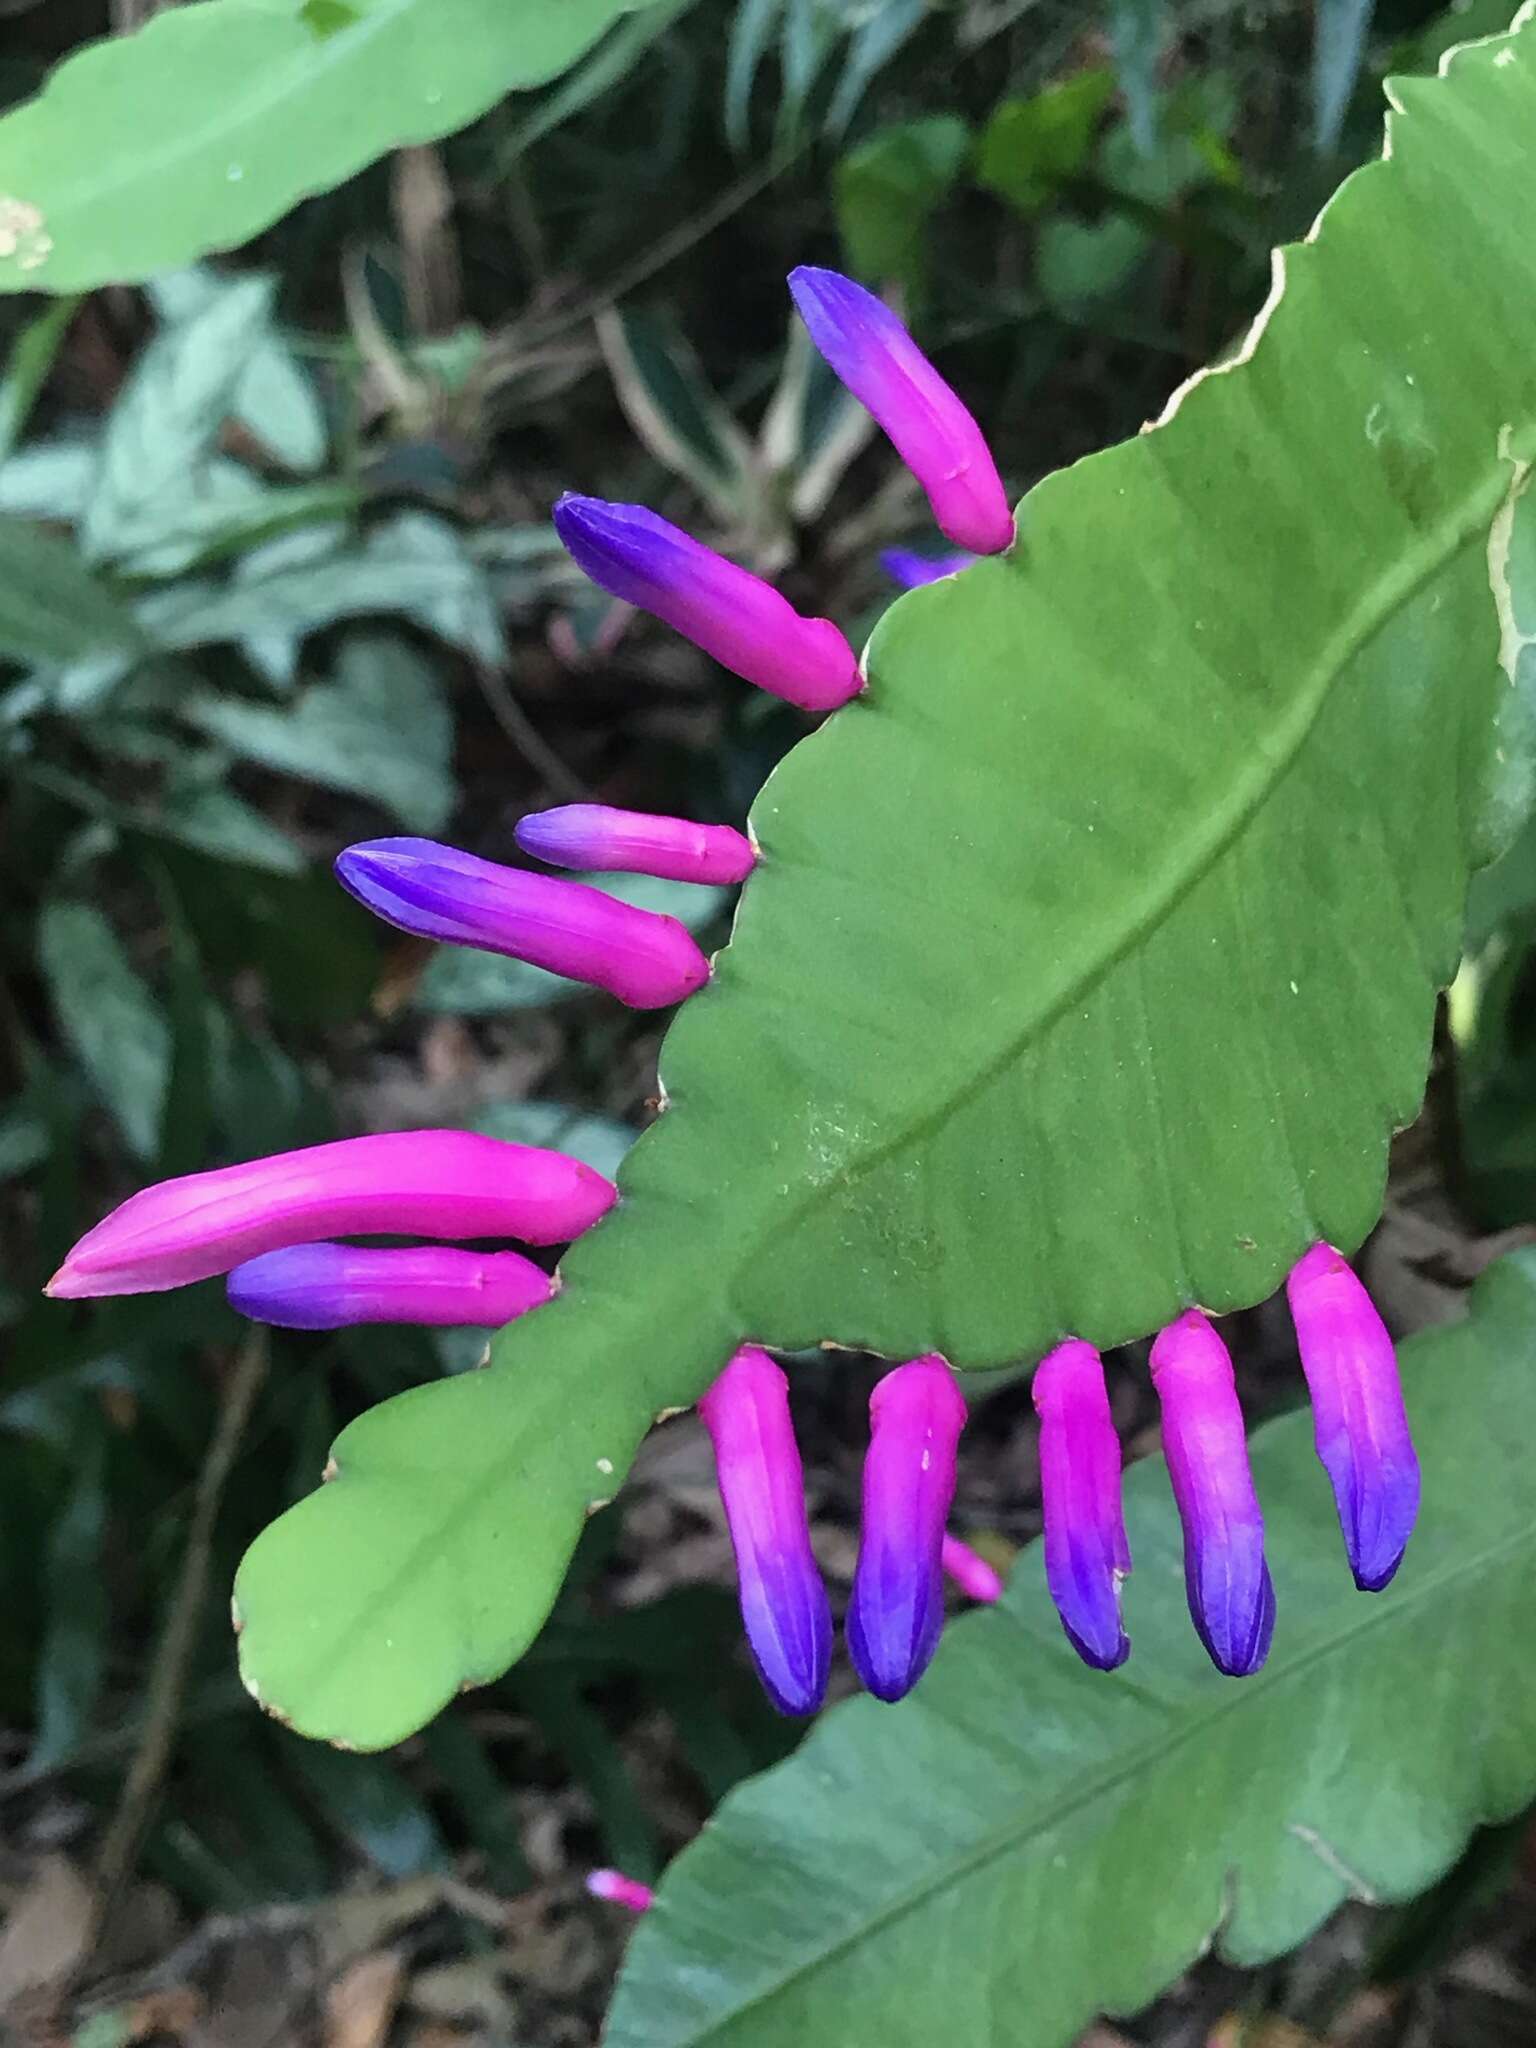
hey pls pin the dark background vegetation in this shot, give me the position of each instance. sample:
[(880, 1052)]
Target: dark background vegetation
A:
[(332, 514)]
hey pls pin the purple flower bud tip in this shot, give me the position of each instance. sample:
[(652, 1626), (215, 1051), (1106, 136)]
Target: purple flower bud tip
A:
[(783, 1601), (896, 1609), (327, 1286), (633, 842), (1357, 1406), (645, 959), (912, 570), (620, 1890), (977, 1579), (933, 433), (732, 614), (1231, 1599), (1086, 1553), (454, 1184)]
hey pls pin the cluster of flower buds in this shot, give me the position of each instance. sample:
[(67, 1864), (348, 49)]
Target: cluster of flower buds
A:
[(271, 1225), (896, 1608)]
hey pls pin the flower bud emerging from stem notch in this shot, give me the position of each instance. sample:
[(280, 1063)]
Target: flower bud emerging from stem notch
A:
[(896, 1611), (635, 842), (933, 433), (644, 958), (1086, 1553), (1360, 1423), (330, 1286), (1231, 1599), (742, 621), (784, 1605)]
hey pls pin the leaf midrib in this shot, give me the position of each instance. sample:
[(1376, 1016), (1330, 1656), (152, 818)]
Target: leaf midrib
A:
[(1006, 1840), (1470, 517)]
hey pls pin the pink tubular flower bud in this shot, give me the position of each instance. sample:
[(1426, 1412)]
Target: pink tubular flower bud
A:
[(328, 1286), (1231, 1599), (933, 433), (783, 1601), (976, 1579), (454, 1184), (1360, 1423), (732, 614), (1086, 1553), (634, 842), (642, 957), (896, 1610), (620, 1890)]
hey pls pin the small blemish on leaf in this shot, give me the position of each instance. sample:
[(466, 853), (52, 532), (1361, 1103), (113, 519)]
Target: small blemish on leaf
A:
[(22, 234), (332, 1471), (605, 1466), (327, 17)]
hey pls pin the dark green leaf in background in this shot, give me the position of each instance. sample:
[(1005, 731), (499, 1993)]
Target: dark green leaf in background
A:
[(109, 1017), (889, 188)]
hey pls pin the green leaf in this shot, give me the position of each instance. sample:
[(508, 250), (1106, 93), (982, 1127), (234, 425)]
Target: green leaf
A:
[(52, 609), (381, 730), (214, 119), (26, 370), (1094, 951), (1137, 29), (461, 982), (1338, 44), (72, 1660), (889, 188), (109, 1018), (275, 397), (1030, 145), (177, 397), (1187, 1806)]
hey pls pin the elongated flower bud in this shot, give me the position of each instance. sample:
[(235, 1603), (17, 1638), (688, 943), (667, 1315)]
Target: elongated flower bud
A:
[(912, 571), (1357, 1410), (1086, 1554), (640, 956), (1231, 1599), (933, 433), (977, 1580), (783, 1601), (896, 1609), (454, 1184), (327, 1286), (634, 842), (620, 1890), (732, 614)]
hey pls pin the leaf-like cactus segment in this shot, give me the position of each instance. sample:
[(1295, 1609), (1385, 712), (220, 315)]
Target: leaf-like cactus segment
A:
[(1092, 955)]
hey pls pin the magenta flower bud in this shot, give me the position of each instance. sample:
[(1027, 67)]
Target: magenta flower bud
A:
[(933, 433), (911, 570), (732, 614), (435, 1183), (645, 959), (1231, 1599), (327, 1286), (1357, 1408), (1086, 1553), (620, 1890), (783, 1601), (634, 842), (976, 1579), (896, 1609)]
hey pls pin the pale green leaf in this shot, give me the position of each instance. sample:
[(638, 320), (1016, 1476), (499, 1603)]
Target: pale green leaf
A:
[(108, 1017), (380, 730), (275, 397), (52, 609), (214, 119), (1187, 1807), (1093, 953)]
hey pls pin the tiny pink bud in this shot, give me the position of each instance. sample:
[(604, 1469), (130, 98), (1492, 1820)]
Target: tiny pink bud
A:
[(977, 1580), (620, 1890)]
